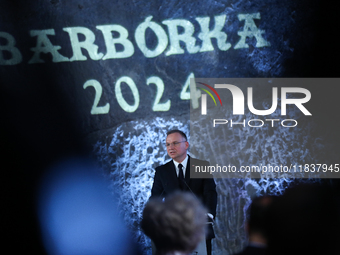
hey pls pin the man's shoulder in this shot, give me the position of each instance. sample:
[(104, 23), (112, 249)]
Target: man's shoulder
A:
[(198, 162), (165, 166)]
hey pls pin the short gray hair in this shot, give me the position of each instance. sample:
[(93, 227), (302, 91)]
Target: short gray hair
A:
[(177, 224)]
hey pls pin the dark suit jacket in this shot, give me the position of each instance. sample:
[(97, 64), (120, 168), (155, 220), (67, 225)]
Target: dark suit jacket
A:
[(166, 182)]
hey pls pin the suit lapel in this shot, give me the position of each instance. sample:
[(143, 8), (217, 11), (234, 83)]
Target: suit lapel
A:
[(172, 175)]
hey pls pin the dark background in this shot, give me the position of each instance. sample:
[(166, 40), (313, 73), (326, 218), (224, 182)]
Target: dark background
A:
[(46, 112)]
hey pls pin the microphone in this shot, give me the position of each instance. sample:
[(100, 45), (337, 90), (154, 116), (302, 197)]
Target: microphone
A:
[(210, 217), (185, 183), (166, 184), (161, 193)]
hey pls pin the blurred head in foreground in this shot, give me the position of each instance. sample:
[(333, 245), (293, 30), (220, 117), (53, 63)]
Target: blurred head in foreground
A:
[(175, 225), (257, 219), (77, 213)]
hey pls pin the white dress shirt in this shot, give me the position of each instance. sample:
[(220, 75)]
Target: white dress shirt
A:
[(184, 164)]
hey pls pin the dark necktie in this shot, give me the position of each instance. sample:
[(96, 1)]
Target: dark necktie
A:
[(181, 179)]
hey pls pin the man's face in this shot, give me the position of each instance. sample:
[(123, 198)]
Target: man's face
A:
[(177, 148)]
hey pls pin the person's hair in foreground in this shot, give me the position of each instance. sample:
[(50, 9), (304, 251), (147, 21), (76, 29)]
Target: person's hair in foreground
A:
[(175, 225), (257, 216)]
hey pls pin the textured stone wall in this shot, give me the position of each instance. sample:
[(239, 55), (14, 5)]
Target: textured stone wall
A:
[(132, 151)]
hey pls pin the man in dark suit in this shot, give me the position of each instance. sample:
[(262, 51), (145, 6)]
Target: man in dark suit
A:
[(175, 175)]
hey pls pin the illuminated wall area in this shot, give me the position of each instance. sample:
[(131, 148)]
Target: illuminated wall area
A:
[(112, 77), (133, 150)]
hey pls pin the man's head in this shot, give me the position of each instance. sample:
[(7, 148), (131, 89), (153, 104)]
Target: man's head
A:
[(257, 219), (177, 145)]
